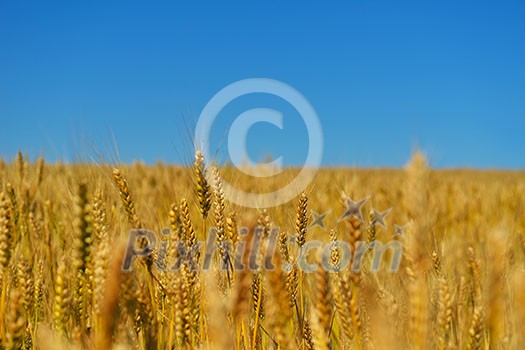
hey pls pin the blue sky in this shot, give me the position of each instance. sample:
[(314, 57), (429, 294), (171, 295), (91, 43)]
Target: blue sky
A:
[(385, 77)]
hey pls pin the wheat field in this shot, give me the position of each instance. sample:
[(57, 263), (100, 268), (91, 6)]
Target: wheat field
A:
[(64, 231)]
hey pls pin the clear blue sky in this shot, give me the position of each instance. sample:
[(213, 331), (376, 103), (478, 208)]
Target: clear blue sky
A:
[(385, 77)]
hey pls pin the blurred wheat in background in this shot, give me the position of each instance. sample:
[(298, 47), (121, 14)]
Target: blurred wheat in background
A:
[(63, 233)]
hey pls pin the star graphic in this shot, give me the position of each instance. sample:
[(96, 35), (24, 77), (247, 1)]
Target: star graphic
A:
[(292, 238), (400, 230), (379, 217), (318, 219), (353, 208)]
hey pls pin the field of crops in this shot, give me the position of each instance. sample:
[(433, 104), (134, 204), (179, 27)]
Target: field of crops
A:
[(65, 235)]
